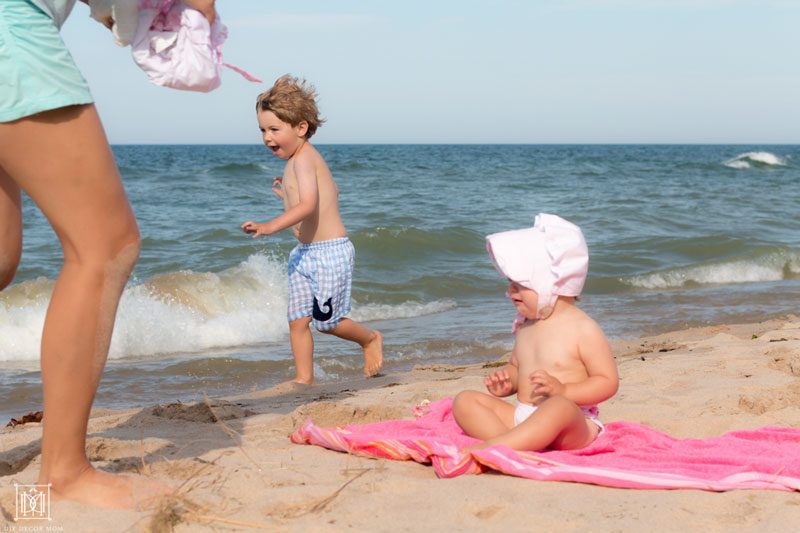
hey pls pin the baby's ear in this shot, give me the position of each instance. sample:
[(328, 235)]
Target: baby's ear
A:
[(302, 128)]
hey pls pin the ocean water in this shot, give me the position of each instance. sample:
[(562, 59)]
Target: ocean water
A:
[(678, 236)]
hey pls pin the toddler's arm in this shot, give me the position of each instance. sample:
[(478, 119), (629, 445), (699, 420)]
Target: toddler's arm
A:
[(308, 193)]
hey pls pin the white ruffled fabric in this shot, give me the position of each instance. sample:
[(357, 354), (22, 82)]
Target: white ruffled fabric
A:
[(172, 43)]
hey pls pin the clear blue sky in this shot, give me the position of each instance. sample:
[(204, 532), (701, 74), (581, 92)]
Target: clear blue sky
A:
[(549, 71)]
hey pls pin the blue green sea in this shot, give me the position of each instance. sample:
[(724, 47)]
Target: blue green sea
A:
[(678, 236)]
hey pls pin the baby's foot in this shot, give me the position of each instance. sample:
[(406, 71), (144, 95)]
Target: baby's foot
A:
[(114, 491), (373, 355)]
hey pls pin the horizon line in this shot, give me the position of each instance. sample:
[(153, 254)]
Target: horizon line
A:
[(475, 144)]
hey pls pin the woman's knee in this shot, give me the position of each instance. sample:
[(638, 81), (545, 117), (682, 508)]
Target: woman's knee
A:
[(114, 251), (129, 251), (9, 262), (123, 249), (110, 263)]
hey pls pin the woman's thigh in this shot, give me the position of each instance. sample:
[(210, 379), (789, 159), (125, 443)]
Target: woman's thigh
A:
[(62, 160)]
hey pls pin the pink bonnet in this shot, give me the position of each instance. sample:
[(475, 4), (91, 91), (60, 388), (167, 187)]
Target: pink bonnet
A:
[(551, 258)]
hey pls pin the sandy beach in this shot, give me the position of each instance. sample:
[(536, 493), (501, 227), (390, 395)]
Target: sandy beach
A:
[(235, 468)]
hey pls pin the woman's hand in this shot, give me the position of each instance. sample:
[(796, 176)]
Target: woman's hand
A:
[(119, 16), (206, 7)]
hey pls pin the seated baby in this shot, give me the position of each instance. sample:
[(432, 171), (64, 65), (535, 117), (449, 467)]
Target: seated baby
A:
[(561, 366)]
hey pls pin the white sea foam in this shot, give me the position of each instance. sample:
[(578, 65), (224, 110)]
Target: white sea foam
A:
[(770, 267), (365, 313), (748, 159), (183, 312)]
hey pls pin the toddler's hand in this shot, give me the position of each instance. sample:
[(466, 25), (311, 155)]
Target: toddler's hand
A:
[(255, 228), (499, 383), (544, 384), (277, 186)]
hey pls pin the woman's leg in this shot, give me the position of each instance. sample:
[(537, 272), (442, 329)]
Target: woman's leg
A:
[(62, 160), (10, 229)]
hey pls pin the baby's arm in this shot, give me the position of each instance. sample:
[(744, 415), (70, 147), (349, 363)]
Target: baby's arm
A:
[(308, 192), (503, 382), (596, 355)]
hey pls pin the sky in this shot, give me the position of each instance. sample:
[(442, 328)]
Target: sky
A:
[(508, 71)]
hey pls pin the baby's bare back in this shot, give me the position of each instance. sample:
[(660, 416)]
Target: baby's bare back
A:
[(324, 223)]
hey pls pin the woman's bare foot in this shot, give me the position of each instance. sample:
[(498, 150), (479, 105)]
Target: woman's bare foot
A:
[(373, 355), (114, 491)]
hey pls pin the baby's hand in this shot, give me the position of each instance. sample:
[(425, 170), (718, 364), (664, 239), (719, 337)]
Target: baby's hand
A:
[(277, 186), (545, 385), (255, 228), (499, 383)]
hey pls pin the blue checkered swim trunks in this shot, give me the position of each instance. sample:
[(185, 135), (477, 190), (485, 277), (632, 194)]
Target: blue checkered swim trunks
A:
[(320, 281)]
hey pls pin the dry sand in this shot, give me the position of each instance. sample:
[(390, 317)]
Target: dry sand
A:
[(237, 470)]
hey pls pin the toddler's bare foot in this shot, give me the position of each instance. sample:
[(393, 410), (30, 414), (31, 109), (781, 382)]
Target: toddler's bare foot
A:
[(115, 491), (373, 355)]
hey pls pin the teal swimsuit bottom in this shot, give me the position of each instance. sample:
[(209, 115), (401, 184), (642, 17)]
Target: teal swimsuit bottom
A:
[(37, 72)]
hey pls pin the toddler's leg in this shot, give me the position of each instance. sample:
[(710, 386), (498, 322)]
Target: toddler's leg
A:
[(557, 423), (10, 229), (371, 341), (482, 416), (302, 350)]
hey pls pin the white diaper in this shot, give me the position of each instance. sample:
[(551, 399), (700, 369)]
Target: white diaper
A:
[(525, 410)]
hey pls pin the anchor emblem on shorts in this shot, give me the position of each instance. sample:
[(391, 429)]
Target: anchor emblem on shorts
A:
[(321, 315)]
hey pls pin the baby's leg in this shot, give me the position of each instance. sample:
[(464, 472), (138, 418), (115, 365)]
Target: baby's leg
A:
[(557, 423), (302, 350), (10, 229), (482, 416), (371, 341)]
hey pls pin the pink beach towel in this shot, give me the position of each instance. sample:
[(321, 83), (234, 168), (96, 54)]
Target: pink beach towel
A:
[(626, 455)]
